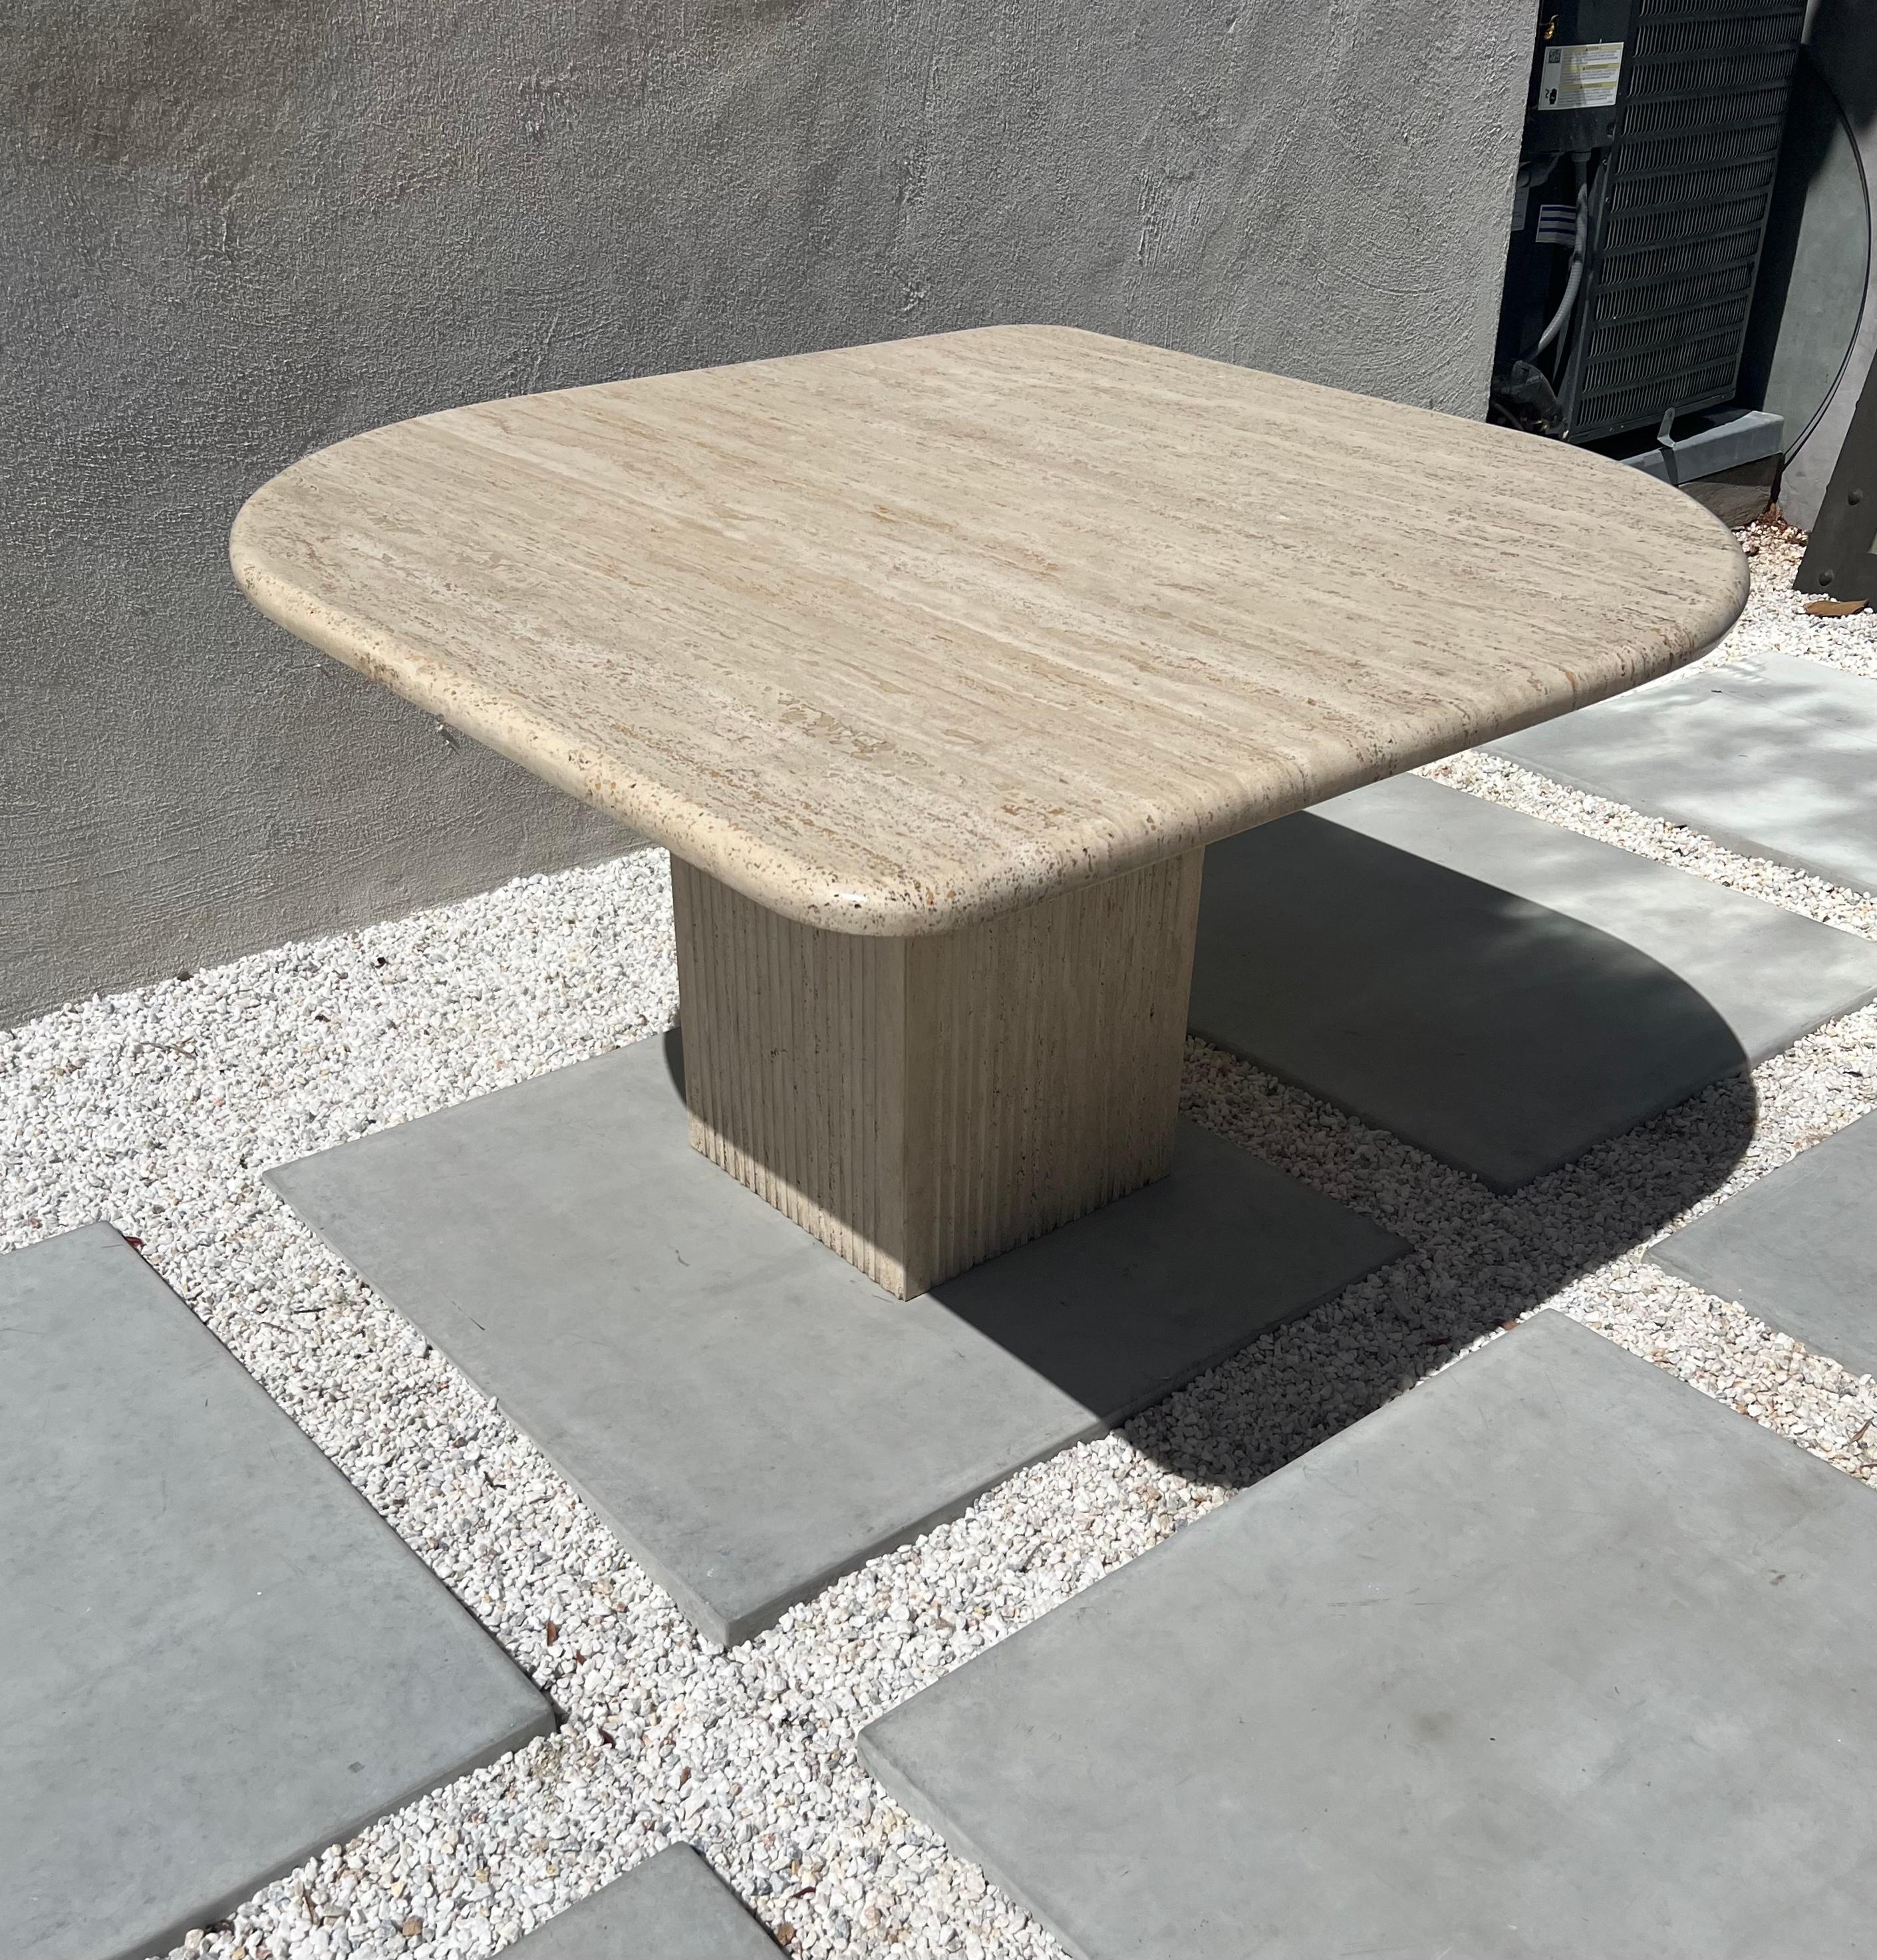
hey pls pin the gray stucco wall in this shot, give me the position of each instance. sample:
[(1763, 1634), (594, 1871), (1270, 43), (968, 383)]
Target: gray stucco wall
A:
[(230, 232)]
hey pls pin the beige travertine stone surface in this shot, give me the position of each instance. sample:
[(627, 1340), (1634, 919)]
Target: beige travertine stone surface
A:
[(922, 1103), (893, 638)]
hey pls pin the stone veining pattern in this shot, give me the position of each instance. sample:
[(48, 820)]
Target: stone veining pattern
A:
[(894, 639), (157, 1109)]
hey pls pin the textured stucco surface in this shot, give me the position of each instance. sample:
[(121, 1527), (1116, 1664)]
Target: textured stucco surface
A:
[(232, 231)]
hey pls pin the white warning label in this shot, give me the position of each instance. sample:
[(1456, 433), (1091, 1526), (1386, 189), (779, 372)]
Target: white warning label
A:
[(1582, 74)]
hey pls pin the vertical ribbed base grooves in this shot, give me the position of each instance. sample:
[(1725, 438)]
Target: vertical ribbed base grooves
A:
[(921, 1105)]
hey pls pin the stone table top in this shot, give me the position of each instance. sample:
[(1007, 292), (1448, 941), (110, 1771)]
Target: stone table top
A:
[(895, 638)]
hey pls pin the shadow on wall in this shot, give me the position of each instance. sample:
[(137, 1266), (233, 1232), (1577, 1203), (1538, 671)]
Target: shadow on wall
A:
[(1528, 1033)]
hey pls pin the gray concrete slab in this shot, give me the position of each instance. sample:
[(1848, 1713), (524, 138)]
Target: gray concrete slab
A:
[(1799, 1249), (1552, 1656), (673, 1907), (752, 1415), (1502, 993), (1775, 757), (216, 1658)]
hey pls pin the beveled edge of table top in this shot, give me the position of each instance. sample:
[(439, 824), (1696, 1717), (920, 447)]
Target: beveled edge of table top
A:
[(783, 880)]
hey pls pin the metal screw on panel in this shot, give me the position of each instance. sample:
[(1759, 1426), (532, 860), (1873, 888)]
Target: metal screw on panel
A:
[(1825, 577), (1856, 497)]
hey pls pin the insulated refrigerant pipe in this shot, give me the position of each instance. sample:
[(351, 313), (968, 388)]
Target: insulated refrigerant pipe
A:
[(1582, 159)]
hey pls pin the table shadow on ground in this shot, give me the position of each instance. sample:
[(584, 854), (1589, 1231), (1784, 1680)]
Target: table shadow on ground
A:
[(1498, 1035), (1118, 1307), (754, 1417), (1532, 1036)]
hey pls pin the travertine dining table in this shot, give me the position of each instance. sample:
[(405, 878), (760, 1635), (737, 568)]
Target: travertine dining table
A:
[(935, 665)]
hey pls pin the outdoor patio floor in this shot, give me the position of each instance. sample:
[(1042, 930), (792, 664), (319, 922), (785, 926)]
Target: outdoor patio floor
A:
[(673, 1907), (1554, 1658), (159, 1111)]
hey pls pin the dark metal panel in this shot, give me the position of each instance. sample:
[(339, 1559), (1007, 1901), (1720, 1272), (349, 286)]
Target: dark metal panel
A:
[(1841, 559), (1680, 211)]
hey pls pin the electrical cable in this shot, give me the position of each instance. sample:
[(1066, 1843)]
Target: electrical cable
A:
[(1572, 284)]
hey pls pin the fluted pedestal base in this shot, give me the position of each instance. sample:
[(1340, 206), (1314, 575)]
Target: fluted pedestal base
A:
[(921, 1105)]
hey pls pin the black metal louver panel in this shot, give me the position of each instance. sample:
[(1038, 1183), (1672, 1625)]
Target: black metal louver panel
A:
[(1749, 116), (1739, 142), (1681, 212), (1673, 221), (1673, 186), (1653, 11), (1694, 330), (1666, 297)]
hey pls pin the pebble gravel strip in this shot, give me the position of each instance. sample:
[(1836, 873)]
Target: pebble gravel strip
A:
[(158, 1110)]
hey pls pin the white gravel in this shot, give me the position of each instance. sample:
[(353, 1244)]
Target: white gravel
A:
[(1776, 621), (157, 1109)]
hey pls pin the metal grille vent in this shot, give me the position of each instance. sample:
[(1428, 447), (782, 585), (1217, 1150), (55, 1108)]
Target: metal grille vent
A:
[(1651, 330), (1753, 113), (1740, 142), (1703, 35), (1704, 10), (1682, 207), (1699, 267), (1670, 185), (1669, 299)]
